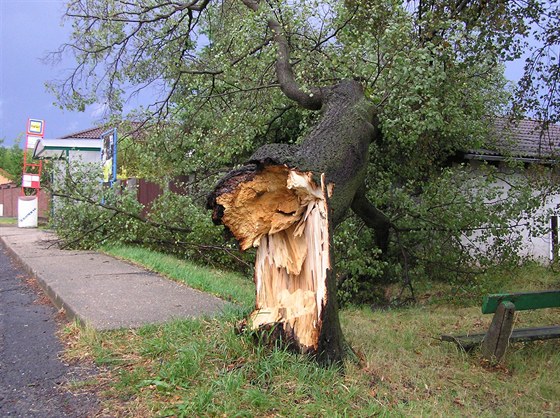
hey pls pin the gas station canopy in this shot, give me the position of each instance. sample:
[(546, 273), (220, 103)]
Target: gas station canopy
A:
[(59, 148)]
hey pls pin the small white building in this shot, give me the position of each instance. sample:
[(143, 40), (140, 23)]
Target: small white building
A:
[(69, 155), (527, 143), (82, 146)]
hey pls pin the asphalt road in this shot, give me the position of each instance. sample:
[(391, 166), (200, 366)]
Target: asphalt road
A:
[(33, 379)]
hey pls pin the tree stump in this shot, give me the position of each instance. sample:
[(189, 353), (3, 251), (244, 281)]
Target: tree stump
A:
[(285, 202)]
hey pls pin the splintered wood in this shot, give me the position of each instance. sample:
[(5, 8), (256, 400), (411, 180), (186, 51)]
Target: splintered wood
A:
[(284, 214)]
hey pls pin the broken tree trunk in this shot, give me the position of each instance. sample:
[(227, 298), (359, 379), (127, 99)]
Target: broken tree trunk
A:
[(286, 201)]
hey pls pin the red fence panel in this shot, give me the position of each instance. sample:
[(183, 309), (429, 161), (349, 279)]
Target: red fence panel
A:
[(9, 198), (147, 193), (9, 195)]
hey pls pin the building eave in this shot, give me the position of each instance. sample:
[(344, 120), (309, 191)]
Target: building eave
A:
[(491, 157)]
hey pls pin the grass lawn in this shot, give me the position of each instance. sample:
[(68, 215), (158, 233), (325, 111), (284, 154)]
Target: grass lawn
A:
[(197, 368), (7, 221)]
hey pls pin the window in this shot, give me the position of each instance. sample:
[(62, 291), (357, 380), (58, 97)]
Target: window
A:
[(554, 238)]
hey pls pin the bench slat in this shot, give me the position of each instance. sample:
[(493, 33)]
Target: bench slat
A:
[(518, 335), (522, 301), (531, 334)]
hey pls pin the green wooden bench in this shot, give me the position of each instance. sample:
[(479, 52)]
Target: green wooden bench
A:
[(495, 341)]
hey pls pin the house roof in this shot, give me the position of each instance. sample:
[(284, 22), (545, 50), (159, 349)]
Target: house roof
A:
[(5, 177), (95, 133), (525, 140), (91, 133)]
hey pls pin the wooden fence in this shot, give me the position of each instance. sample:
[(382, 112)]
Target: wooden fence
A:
[(147, 193), (9, 195)]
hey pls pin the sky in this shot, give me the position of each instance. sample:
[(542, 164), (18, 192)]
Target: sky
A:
[(29, 30)]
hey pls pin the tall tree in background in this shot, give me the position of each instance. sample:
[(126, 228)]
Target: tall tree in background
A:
[(400, 86), (11, 160)]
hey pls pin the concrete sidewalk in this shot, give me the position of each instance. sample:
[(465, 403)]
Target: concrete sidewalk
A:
[(101, 291)]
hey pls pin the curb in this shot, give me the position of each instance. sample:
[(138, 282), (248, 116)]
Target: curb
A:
[(51, 294)]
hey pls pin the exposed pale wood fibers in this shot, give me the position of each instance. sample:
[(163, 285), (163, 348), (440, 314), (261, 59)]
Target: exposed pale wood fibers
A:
[(284, 213), (260, 206)]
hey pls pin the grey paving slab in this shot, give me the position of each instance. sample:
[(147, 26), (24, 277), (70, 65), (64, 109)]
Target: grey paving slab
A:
[(152, 300), (34, 242), (78, 265), (101, 291)]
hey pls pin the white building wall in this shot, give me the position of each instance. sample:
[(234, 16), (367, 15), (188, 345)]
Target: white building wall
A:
[(537, 246), (68, 166), (84, 156)]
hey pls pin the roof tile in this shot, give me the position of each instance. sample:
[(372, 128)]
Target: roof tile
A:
[(525, 138)]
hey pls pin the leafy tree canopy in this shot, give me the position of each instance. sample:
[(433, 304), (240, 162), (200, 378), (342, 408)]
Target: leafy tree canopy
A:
[(11, 160), (432, 69)]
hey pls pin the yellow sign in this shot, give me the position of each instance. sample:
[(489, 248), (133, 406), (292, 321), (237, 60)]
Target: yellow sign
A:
[(107, 168), (36, 127)]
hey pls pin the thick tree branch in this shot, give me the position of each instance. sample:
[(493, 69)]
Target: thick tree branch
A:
[(373, 218), (310, 100)]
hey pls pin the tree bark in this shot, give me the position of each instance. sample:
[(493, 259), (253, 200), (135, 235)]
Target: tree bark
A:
[(286, 201)]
